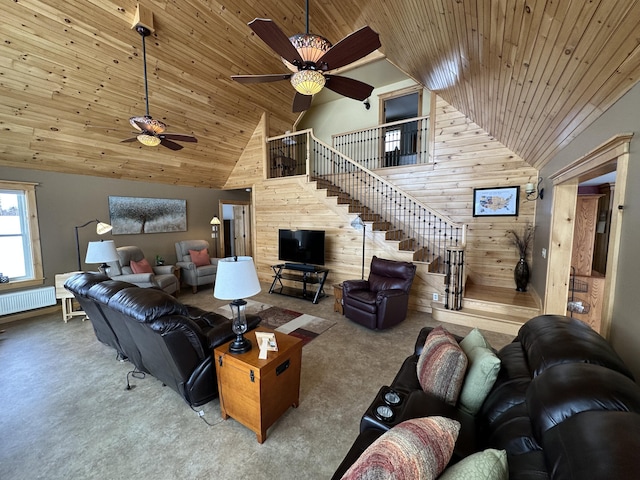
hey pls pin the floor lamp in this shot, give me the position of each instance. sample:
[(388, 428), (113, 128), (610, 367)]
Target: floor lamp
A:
[(101, 229), (215, 227), (358, 224)]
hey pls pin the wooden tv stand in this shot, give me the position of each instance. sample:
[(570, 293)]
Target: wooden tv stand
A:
[(299, 273)]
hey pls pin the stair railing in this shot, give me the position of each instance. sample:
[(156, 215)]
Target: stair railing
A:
[(404, 142), (417, 227)]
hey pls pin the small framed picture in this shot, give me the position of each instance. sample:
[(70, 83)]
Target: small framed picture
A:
[(496, 202)]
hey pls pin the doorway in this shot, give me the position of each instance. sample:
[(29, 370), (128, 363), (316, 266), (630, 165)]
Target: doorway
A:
[(610, 157), (235, 228)]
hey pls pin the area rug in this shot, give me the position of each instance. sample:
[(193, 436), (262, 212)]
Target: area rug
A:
[(301, 325)]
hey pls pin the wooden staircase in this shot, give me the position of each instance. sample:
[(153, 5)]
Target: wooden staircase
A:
[(368, 215), (496, 309)]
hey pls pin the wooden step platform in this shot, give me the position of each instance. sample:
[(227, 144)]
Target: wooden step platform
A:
[(497, 309)]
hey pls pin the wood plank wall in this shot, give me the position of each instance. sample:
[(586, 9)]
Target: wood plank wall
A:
[(465, 157)]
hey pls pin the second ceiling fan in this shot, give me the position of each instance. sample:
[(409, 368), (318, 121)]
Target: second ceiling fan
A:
[(309, 56)]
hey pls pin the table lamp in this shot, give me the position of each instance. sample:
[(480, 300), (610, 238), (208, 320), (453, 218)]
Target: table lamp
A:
[(236, 279), (102, 252)]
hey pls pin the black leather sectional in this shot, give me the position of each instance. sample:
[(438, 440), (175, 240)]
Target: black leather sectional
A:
[(155, 332), (564, 406)]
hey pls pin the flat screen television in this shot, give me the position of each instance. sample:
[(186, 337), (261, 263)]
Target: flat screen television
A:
[(301, 246)]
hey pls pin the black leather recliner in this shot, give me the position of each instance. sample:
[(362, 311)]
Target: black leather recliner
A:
[(156, 333), (381, 301)]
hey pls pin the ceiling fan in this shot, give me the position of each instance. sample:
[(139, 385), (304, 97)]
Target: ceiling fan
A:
[(309, 56), (152, 132)]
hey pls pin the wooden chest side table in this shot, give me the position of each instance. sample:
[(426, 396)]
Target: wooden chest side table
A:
[(257, 392)]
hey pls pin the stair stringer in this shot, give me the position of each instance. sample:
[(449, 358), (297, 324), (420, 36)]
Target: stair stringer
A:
[(425, 283)]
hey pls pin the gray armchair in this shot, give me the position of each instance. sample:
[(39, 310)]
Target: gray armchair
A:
[(192, 274), (163, 277)]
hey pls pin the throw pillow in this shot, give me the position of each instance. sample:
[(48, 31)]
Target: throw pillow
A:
[(482, 371), (200, 257), (441, 366), (487, 465), (417, 449), (141, 267), (474, 339)]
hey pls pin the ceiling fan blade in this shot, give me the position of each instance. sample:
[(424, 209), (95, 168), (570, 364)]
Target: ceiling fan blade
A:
[(275, 77), (132, 139), (179, 137), (301, 102), (169, 144), (348, 87), (351, 48), (271, 34)]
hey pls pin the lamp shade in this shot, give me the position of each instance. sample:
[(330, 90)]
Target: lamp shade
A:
[(308, 82), (101, 252), (215, 221), (236, 278), (102, 228)]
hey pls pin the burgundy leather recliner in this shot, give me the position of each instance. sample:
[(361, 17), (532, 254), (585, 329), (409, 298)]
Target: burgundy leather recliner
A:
[(381, 301)]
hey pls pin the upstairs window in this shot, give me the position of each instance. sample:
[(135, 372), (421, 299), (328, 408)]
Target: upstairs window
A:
[(20, 258)]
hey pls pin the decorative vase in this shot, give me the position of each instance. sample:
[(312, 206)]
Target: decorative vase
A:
[(521, 275)]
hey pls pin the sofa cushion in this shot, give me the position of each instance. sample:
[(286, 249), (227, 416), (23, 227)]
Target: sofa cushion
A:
[(490, 464), (595, 445), (549, 340), (418, 449), (200, 257), (568, 389), (141, 267), (482, 371), (146, 304), (441, 366)]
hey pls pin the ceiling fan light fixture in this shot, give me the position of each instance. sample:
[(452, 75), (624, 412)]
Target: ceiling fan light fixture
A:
[(151, 125), (308, 82), (148, 140), (310, 46)]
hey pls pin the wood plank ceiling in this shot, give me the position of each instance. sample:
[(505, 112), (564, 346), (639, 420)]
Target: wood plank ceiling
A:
[(532, 73)]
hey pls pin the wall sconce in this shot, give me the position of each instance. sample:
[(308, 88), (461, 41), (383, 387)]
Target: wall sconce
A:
[(215, 225), (534, 191), (367, 105)]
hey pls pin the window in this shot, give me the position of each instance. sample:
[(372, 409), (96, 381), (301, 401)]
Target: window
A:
[(20, 257)]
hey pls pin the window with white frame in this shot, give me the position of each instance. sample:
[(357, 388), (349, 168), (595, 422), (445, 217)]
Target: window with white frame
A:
[(20, 257)]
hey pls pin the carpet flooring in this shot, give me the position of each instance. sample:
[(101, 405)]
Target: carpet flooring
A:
[(67, 415), (301, 325)]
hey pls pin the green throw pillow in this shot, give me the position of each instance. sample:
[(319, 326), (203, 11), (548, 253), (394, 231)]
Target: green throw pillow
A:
[(482, 372), (487, 465)]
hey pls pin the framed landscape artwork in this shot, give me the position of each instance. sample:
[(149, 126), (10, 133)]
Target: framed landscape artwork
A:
[(133, 215), (498, 201)]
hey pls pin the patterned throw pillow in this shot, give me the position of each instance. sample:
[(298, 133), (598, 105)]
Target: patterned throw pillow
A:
[(417, 449), (200, 257), (141, 267), (484, 366), (487, 465), (441, 366)]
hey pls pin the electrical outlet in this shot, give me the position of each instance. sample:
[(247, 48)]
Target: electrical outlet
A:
[(435, 297)]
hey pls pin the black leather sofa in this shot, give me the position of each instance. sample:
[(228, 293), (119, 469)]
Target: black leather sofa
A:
[(155, 332), (564, 406)]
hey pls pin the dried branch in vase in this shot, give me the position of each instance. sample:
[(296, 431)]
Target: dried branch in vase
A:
[(522, 240)]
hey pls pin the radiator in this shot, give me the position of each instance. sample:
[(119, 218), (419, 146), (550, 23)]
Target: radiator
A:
[(27, 300)]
